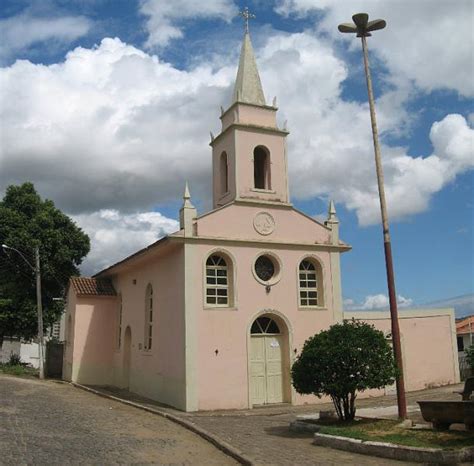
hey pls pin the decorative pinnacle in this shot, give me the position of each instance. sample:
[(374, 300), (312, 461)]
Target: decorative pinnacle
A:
[(187, 197), (186, 192), (332, 212), (245, 13)]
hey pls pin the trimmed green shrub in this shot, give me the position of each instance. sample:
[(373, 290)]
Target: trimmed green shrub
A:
[(343, 360)]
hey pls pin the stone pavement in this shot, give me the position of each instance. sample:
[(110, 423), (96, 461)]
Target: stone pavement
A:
[(47, 422), (262, 434)]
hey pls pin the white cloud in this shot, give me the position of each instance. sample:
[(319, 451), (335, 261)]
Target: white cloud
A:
[(429, 43), (115, 236), (24, 30), (376, 302), (330, 145), (110, 127), (165, 17)]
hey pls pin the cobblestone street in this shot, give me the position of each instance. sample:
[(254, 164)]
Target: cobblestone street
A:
[(55, 423), (262, 434)]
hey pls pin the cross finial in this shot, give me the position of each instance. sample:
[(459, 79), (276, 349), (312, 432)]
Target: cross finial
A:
[(245, 13)]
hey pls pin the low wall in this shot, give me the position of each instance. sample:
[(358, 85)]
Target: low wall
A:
[(10, 346), (429, 348)]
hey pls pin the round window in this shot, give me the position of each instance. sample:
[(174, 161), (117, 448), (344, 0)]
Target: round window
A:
[(266, 268)]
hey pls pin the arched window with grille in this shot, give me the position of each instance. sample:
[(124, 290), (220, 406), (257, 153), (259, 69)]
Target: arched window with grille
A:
[(148, 317), (218, 281), (310, 282)]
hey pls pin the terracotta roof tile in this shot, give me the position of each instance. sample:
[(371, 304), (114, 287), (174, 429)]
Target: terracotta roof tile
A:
[(84, 286)]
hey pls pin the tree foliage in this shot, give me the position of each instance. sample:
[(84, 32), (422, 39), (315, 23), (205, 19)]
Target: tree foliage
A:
[(343, 360), (27, 221), (470, 356)]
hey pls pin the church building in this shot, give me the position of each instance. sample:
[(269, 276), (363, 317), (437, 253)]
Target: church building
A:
[(213, 315)]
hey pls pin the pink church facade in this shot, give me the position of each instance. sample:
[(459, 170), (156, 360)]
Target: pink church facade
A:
[(212, 316)]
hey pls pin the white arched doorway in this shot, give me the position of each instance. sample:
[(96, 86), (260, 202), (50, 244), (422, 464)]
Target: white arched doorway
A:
[(127, 350), (269, 362)]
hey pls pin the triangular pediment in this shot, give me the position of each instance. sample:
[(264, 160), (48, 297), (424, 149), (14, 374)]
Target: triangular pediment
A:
[(259, 222)]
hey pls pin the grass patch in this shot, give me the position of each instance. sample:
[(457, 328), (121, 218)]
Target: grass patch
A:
[(19, 370), (388, 431)]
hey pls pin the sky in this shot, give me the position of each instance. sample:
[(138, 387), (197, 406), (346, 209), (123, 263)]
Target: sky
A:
[(106, 106)]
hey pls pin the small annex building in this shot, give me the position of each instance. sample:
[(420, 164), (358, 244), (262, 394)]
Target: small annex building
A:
[(212, 316)]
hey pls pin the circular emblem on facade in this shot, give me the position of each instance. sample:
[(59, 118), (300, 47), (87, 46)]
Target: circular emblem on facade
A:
[(264, 223)]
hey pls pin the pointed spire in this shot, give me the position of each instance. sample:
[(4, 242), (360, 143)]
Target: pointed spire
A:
[(187, 214), (332, 212), (333, 223), (248, 87), (187, 197)]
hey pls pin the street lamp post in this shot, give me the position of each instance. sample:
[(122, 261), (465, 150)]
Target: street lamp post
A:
[(362, 27), (36, 269)]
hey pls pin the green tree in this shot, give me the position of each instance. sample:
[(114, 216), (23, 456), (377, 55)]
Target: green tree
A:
[(27, 221), (470, 356), (343, 360)]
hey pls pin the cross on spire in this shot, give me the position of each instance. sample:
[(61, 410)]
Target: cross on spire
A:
[(246, 15)]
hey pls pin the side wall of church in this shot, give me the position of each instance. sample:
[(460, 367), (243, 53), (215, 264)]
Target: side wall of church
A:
[(222, 334), (157, 373), (89, 341)]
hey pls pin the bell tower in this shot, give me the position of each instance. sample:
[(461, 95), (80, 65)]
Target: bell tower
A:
[(249, 161)]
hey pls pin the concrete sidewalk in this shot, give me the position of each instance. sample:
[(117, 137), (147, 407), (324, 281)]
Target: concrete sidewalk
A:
[(262, 434)]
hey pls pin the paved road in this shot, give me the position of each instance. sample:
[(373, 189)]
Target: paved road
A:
[(54, 423), (263, 433)]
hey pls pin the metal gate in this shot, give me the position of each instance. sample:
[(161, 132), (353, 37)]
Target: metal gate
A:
[(54, 359)]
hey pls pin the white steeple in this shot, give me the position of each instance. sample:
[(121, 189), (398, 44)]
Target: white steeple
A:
[(248, 87)]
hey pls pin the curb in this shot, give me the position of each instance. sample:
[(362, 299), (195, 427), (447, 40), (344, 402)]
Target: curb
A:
[(211, 438), (301, 427), (395, 452)]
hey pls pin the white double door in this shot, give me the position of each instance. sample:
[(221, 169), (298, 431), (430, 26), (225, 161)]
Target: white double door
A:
[(266, 369)]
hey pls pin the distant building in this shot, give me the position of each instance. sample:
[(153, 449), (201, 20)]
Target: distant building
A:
[(464, 332), (213, 316)]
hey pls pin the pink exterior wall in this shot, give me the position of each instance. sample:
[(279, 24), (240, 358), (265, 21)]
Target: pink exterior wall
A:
[(223, 378), (246, 140), (239, 143), (225, 144), (428, 340), (249, 114), (236, 221), (88, 359), (158, 373)]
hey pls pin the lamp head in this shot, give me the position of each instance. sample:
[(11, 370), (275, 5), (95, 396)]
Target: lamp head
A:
[(362, 26)]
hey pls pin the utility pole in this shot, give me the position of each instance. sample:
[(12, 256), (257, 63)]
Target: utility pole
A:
[(40, 313), (362, 27), (37, 270)]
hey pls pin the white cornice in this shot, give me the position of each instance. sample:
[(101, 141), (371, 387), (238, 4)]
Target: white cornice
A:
[(250, 127), (402, 314), (262, 242)]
